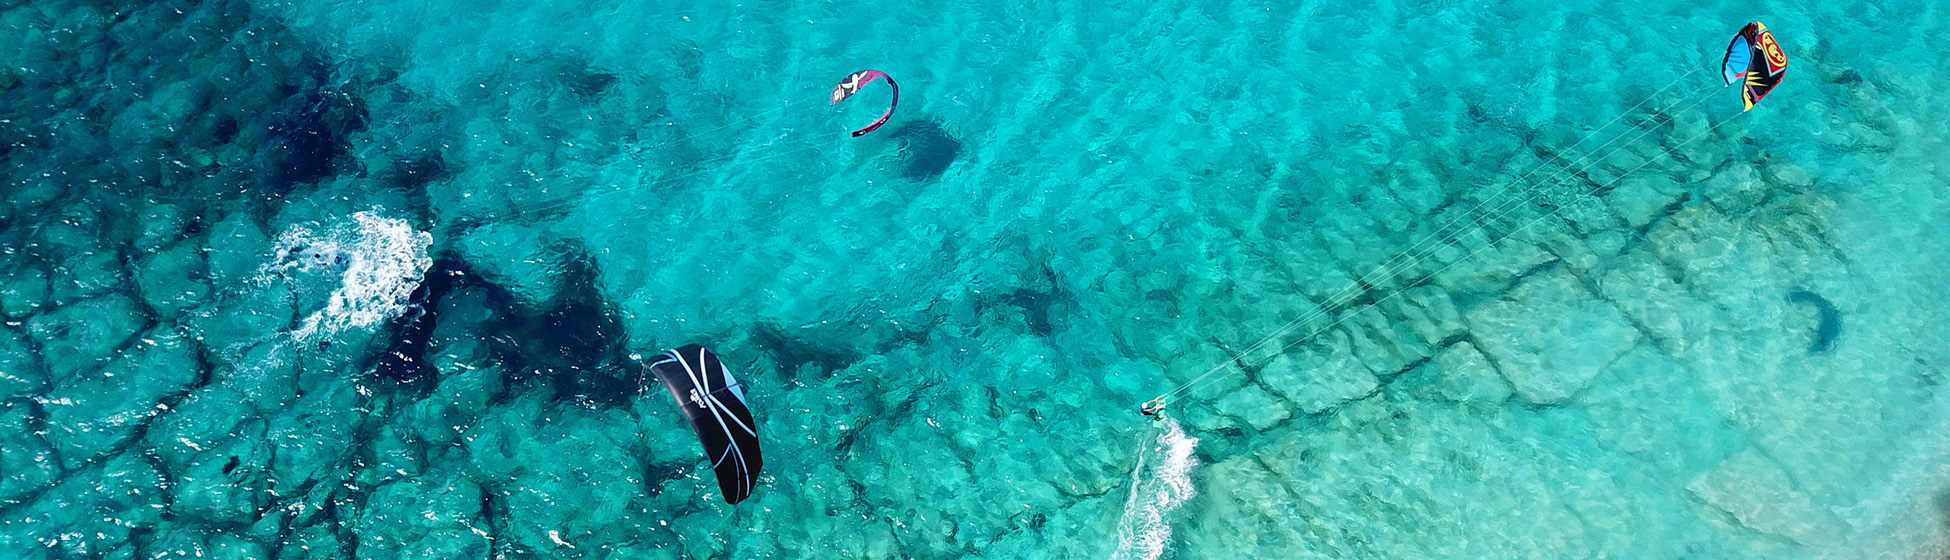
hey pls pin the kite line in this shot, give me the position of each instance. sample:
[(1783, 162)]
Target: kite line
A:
[(1415, 255), (808, 143), (1208, 377)]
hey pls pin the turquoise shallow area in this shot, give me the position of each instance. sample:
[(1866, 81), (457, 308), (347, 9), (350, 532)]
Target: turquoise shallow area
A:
[(1515, 280)]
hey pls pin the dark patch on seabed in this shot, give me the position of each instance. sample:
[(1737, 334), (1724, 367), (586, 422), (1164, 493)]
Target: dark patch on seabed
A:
[(404, 359), (314, 135), (588, 82), (927, 150), (572, 345), (656, 474), (582, 337), (1828, 321), (790, 353), (1043, 304), (411, 175), (7, 141)]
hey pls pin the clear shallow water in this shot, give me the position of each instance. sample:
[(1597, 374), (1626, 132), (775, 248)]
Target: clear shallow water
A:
[(944, 325)]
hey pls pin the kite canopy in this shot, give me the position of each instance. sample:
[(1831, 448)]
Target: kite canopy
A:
[(852, 85), (1754, 59), (715, 405)]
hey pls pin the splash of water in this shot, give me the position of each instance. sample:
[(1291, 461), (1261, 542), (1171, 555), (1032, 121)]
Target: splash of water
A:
[(1143, 533), (378, 260)]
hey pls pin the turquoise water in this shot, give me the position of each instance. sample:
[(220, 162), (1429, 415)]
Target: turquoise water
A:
[(1534, 286)]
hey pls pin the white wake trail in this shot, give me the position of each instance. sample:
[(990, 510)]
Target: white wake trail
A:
[(1144, 533), (378, 260)]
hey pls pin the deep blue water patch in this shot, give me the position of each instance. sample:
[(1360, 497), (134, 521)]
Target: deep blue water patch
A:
[(927, 150), (404, 358), (587, 81), (580, 337), (313, 134), (1043, 304), (571, 346), (791, 354), (412, 174), (225, 130)]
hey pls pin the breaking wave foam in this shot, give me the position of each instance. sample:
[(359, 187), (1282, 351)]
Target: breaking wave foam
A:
[(380, 261), (1143, 533)]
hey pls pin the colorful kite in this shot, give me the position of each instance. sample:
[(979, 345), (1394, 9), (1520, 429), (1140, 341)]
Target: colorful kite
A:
[(857, 80), (1755, 59)]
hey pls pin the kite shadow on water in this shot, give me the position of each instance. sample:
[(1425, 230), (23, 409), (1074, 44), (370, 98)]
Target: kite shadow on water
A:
[(927, 150), (1828, 320)]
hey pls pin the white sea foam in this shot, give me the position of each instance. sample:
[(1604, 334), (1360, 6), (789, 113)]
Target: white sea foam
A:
[(378, 262), (1144, 531)]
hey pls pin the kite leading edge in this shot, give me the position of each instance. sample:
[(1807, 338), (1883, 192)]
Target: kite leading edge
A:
[(852, 85), (1756, 60), (714, 403)]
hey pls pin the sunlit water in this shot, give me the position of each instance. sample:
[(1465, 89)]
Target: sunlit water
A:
[(1515, 280)]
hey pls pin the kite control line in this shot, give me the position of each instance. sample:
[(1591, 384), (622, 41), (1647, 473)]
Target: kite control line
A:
[(1754, 59)]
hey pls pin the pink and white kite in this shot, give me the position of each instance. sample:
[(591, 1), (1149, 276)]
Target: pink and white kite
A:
[(852, 85)]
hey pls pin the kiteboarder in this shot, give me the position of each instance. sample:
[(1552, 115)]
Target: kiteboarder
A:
[(1154, 408), (1754, 60)]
